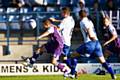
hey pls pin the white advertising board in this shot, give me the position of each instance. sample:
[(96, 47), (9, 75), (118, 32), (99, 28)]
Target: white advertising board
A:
[(49, 69)]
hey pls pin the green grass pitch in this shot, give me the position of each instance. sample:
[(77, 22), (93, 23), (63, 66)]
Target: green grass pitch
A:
[(59, 77)]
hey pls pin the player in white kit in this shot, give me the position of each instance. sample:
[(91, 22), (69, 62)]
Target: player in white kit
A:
[(90, 46), (66, 27)]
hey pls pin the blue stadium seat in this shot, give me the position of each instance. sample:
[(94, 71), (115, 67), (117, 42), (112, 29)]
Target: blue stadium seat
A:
[(3, 25), (2, 15), (2, 10), (42, 16), (63, 2), (74, 2), (26, 25), (51, 2), (24, 12), (30, 2), (39, 9), (15, 26), (53, 9), (11, 10), (13, 18)]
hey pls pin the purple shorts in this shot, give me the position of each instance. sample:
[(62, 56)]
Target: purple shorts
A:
[(111, 47), (54, 47)]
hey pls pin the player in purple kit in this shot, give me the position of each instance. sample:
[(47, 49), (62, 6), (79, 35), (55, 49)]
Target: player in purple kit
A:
[(54, 45), (110, 37)]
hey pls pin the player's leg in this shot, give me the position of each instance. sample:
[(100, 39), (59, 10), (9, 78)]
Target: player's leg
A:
[(55, 59), (31, 60), (66, 53), (107, 53), (73, 68), (107, 66), (38, 52), (58, 64), (99, 53), (109, 50), (73, 60)]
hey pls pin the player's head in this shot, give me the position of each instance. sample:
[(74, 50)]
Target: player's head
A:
[(82, 14), (46, 23), (106, 21), (65, 11)]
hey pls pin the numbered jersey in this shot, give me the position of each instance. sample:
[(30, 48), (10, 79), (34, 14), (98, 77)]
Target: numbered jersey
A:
[(67, 26)]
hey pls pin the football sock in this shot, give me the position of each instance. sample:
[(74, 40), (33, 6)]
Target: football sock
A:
[(109, 69), (73, 67), (68, 63), (35, 55), (61, 67)]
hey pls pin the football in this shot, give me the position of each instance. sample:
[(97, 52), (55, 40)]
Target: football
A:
[(33, 23)]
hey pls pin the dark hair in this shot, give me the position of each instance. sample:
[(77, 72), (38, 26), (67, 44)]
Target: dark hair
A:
[(83, 13), (66, 10), (46, 21)]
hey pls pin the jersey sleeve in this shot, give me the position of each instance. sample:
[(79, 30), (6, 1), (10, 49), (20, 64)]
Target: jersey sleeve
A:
[(51, 30), (87, 25), (62, 24), (112, 30)]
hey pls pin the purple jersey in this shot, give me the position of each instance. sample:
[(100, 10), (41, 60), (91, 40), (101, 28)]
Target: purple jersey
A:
[(56, 36), (114, 46), (108, 32), (55, 45)]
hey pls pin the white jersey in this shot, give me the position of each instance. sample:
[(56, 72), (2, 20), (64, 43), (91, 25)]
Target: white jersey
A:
[(86, 24), (67, 26)]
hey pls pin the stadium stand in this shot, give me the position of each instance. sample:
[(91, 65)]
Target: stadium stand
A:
[(17, 18), (13, 18), (39, 9), (53, 9), (2, 19), (73, 2), (63, 2), (51, 2)]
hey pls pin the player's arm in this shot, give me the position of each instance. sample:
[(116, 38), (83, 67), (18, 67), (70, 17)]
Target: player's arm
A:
[(43, 35), (91, 34), (114, 36), (55, 20)]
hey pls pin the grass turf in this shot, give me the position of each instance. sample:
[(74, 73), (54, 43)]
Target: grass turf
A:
[(59, 77)]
